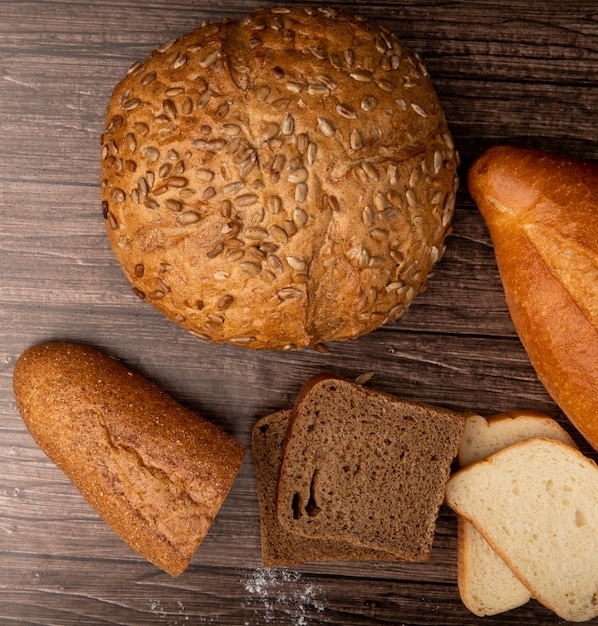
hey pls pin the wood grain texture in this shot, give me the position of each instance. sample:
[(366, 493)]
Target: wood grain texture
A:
[(520, 72)]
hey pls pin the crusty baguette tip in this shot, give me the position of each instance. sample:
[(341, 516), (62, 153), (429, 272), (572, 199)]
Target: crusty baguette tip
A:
[(155, 472), (542, 214)]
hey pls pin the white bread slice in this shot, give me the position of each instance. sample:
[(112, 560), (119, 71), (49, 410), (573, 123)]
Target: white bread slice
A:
[(486, 584), (485, 436), (536, 503)]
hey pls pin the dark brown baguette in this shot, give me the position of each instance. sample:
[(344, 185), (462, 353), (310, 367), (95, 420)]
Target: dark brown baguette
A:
[(279, 547), (156, 472), (366, 467), (542, 214)]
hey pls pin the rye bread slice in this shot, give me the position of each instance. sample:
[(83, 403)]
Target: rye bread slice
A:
[(366, 467), (279, 547)]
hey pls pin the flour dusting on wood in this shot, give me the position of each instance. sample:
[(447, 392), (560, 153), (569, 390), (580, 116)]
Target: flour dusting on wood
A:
[(281, 596)]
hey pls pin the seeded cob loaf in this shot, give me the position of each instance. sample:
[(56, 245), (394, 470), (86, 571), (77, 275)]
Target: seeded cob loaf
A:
[(154, 471), (278, 181)]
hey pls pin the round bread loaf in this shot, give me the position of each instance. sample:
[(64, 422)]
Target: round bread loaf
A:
[(278, 181)]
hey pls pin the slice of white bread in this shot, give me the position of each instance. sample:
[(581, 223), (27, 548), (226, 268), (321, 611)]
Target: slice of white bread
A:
[(536, 503), (486, 584), (485, 436)]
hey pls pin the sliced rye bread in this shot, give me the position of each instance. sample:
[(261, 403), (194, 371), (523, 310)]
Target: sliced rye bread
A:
[(366, 467), (536, 503), (279, 547), (486, 583)]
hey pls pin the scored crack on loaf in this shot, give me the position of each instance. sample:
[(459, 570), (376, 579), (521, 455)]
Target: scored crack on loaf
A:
[(278, 181)]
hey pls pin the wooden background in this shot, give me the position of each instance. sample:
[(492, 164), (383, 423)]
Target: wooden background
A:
[(523, 72)]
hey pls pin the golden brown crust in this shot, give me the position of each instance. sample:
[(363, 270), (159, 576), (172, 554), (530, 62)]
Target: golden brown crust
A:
[(278, 181), (542, 214), (156, 472)]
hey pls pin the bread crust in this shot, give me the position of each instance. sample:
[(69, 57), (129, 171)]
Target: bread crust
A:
[(542, 214), (279, 181), (155, 472)]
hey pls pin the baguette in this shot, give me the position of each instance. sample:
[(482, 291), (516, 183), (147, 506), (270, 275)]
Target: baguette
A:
[(542, 214), (486, 584), (536, 503), (156, 472)]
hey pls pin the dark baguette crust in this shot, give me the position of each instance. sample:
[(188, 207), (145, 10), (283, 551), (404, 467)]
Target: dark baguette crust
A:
[(366, 467), (542, 214), (155, 472), (279, 547)]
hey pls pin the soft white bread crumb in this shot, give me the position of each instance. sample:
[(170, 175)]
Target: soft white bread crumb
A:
[(486, 584), (485, 436), (536, 503)]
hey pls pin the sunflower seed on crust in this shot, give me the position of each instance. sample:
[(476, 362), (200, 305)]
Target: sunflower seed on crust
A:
[(251, 179)]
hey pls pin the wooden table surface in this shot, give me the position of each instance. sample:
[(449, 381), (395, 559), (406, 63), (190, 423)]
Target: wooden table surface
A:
[(523, 72)]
